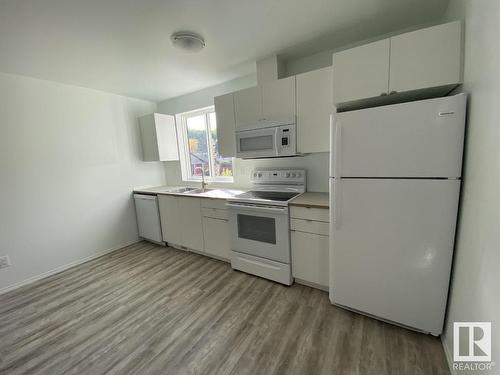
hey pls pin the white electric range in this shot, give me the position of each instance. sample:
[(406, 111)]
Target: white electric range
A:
[(260, 224)]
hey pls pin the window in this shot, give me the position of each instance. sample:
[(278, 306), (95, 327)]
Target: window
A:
[(199, 152)]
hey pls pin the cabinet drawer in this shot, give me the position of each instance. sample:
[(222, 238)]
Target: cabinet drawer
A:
[(310, 226), (310, 213), (214, 212), (214, 203), (310, 258)]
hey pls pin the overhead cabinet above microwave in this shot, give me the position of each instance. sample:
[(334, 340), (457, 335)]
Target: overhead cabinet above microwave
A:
[(310, 93), (421, 63), (266, 105)]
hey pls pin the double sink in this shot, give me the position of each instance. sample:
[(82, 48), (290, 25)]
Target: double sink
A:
[(207, 193), (190, 191)]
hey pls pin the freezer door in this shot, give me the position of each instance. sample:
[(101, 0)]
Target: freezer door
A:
[(417, 139), (392, 246)]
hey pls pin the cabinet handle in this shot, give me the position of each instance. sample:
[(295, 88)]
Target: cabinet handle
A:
[(383, 94), (393, 92)]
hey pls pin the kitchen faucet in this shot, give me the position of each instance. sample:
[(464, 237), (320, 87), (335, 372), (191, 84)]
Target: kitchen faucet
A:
[(203, 163), (203, 183)]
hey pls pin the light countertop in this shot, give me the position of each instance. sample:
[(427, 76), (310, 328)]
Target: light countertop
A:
[(213, 193), (312, 199)]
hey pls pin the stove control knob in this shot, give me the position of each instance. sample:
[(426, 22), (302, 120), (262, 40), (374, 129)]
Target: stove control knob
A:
[(293, 175), (259, 175), (299, 175), (287, 175)]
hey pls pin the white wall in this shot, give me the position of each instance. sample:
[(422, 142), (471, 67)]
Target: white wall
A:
[(69, 158), (475, 289), (316, 164)]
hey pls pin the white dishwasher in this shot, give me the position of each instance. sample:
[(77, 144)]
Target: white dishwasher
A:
[(148, 217)]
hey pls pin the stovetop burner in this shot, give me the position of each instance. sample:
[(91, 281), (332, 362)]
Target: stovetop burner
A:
[(280, 196), (273, 187)]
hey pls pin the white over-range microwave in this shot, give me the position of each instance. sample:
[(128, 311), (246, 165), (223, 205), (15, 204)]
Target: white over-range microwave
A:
[(271, 142)]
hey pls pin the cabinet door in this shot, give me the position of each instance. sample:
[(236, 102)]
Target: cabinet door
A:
[(224, 110), (169, 216), (361, 72), (166, 135), (158, 137), (216, 234), (278, 101), (314, 106), (426, 58), (248, 107), (191, 224), (310, 254)]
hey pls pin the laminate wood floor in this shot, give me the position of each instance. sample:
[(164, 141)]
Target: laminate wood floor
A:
[(145, 309)]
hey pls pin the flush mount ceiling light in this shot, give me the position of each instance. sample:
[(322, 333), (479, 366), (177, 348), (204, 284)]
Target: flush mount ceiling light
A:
[(188, 41)]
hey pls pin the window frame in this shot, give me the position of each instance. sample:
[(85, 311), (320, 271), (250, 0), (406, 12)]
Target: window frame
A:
[(183, 145)]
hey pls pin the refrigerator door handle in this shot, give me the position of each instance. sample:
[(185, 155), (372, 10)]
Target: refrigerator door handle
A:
[(336, 195), (332, 143), (337, 150)]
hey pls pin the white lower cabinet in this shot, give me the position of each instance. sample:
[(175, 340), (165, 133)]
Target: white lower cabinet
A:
[(195, 223), (190, 219), (216, 234), (215, 228), (310, 258), (170, 223), (181, 221), (310, 246)]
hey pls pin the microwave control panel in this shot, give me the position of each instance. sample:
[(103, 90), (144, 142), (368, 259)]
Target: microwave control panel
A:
[(286, 140)]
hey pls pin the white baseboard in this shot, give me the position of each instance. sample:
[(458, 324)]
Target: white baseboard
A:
[(312, 285), (64, 267), (449, 357)]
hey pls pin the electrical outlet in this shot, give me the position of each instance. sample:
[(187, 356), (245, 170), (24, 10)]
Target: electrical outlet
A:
[(4, 262)]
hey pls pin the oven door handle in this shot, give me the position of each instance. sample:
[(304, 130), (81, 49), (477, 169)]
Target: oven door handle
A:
[(279, 210)]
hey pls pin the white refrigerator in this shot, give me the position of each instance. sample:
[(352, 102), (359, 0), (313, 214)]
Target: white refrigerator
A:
[(394, 193)]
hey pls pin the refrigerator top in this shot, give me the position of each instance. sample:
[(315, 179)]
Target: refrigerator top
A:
[(421, 139)]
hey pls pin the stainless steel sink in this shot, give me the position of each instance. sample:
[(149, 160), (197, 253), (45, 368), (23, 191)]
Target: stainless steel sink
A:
[(200, 191), (183, 190)]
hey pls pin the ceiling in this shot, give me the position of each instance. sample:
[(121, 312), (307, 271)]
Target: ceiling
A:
[(123, 46)]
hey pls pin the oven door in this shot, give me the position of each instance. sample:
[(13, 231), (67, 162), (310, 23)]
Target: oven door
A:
[(257, 143), (262, 231)]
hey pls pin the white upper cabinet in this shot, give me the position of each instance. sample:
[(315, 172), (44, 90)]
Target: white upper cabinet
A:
[(426, 58), (314, 106), (418, 64), (247, 107), (224, 110), (278, 101), (270, 104), (158, 137), (361, 72)]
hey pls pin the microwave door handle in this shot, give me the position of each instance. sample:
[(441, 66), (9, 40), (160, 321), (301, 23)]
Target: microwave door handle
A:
[(277, 145)]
